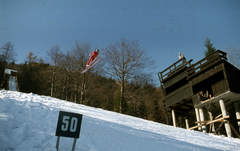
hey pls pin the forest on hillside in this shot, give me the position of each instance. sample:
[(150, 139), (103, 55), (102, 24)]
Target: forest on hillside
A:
[(124, 85), (122, 82)]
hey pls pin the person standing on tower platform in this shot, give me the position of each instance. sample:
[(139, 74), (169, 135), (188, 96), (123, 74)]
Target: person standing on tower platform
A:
[(181, 56)]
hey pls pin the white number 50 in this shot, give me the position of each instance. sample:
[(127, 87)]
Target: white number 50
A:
[(73, 124)]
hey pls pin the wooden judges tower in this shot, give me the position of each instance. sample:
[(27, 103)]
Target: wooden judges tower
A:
[(211, 87)]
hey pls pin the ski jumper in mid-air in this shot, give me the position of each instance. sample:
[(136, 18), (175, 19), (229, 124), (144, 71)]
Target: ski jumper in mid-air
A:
[(93, 55), (92, 60)]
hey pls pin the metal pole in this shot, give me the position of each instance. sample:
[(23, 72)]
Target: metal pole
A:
[(57, 144), (74, 144), (224, 113)]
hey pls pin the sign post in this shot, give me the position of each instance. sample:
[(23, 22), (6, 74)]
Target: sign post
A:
[(69, 125)]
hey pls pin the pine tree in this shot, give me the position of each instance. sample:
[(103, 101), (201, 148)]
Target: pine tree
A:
[(210, 48)]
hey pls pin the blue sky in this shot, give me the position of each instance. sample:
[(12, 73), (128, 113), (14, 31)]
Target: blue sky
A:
[(163, 27)]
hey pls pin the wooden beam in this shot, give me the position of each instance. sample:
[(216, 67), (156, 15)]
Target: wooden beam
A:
[(218, 116), (187, 125), (210, 122), (174, 118), (180, 110), (234, 129), (207, 121)]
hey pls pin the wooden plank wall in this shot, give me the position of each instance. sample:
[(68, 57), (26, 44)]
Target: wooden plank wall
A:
[(233, 75), (178, 95), (206, 75), (220, 87), (175, 79)]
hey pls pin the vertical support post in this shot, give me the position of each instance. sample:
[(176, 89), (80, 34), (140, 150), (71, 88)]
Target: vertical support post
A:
[(74, 144), (187, 125), (224, 113), (237, 110), (204, 128), (198, 118), (57, 144), (173, 118), (167, 119), (212, 127)]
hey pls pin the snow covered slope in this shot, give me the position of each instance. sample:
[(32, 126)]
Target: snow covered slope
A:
[(28, 123)]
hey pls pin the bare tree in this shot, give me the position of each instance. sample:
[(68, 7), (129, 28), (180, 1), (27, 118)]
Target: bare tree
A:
[(126, 61), (234, 56), (80, 56), (55, 54), (7, 53), (67, 66)]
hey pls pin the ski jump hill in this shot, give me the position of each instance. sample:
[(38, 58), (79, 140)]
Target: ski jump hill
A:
[(12, 84), (9, 80), (28, 123)]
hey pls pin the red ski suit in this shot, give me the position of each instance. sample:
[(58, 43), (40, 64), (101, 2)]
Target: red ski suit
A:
[(93, 55)]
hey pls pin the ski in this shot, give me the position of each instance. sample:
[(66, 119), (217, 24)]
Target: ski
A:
[(88, 67)]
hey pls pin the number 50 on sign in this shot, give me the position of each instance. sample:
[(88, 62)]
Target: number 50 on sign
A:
[(69, 124)]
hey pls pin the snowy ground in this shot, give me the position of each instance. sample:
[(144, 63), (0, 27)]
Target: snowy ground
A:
[(28, 123)]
